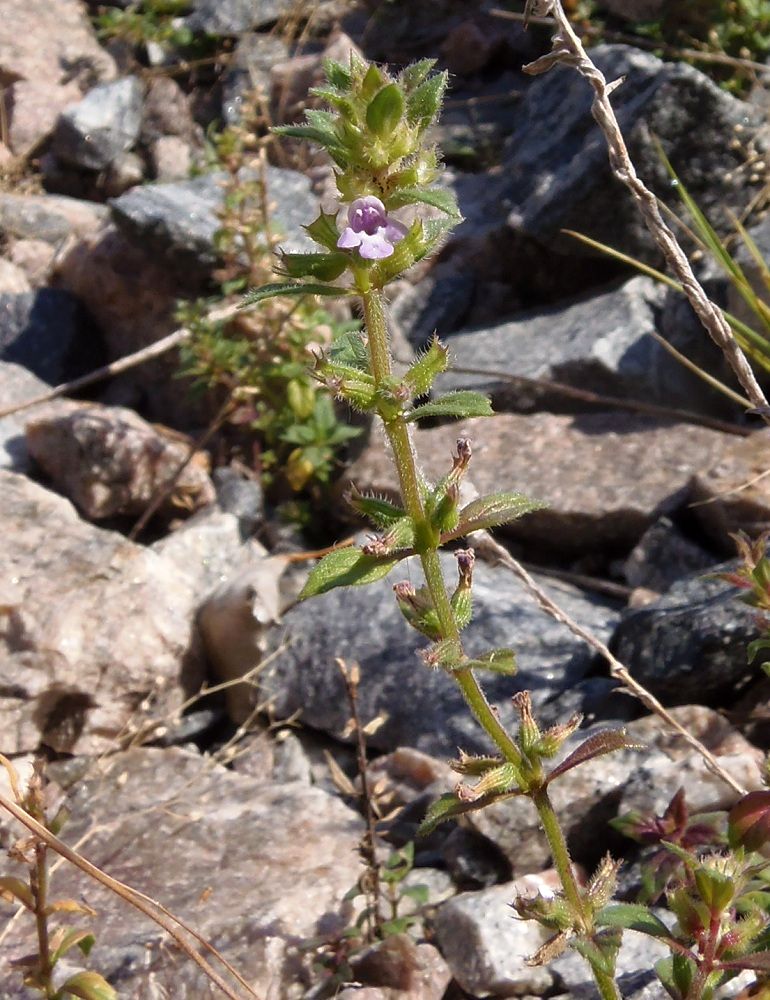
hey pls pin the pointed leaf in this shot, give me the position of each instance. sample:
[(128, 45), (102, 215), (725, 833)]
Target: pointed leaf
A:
[(347, 567), (384, 111), (73, 937), (432, 362), (759, 961), (607, 741), (602, 952), (441, 198), (423, 238), (380, 511), (324, 231), (423, 103), (498, 661), (321, 136), (414, 74), (336, 74), (14, 888), (69, 906), (496, 509), (323, 266), (89, 986), (451, 805), (633, 917), (464, 403), (290, 288)]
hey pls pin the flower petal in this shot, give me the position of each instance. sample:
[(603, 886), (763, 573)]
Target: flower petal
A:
[(349, 239), (375, 247)]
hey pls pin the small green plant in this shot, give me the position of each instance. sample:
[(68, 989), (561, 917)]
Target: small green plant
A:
[(263, 362), (146, 21), (43, 971)]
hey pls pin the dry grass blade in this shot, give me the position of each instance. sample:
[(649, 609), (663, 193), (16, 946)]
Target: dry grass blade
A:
[(568, 50)]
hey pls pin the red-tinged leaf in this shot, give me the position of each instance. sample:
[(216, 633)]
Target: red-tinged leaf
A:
[(89, 986), (759, 962), (748, 822), (13, 888), (597, 745)]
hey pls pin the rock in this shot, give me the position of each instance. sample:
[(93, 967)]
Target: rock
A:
[(234, 621), (241, 496), (467, 49), (662, 556), (171, 158), (438, 303), (257, 868), (178, 222), (13, 281), (222, 18), (50, 218), (126, 171), (166, 112), (734, 494), (49, 332), (291, 79), (92, 133), (249, 71), (111, 463), (16, 386), (635, 10), (487, 947), (400, 965), (690, 645), (555, 174), (97, 635), (48, 52), (602, 343), (424, 708), (635, 974), (34, 258), (603, 476)]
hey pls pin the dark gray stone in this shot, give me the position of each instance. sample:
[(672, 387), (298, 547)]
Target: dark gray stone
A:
[(50, 334), (231, 17), (602, 343), (179, 221), (664, 555), (92, 133), (424, 707), (690, 645), (556, 174), (241, 497), (51, 218)]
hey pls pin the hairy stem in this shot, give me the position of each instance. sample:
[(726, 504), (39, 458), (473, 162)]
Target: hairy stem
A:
[(39, 886)]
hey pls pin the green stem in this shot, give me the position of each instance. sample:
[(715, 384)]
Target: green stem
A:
[(39, 886)]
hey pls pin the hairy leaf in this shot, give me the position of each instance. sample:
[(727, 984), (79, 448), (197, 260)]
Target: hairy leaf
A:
[(498, 661), (464, 403), (323, 266), (597, 745), (290, 288), (633, 917), (496, 509), (347, 567), (380, 511), (441, 198)]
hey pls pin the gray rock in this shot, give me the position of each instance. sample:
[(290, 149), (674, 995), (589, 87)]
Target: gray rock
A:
[(17, 385), (255, 867), (662, 556), (424, 708), (232, 17), (556, 173), (104, 124), (436, 304), (601, 343), (178, 221), (51, 218), (166, 111), (13, 281), (487, 947), (241, 496), (690, 645), (48, 332), (249, 70), (98, 634), (635, 975)]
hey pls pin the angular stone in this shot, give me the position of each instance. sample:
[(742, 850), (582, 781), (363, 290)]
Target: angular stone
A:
[(17, 385), (734, 494), (690, 644), (13, 281), (487, 947), (602, 344), (96, 634), (92, 133), (232, 17), (423, 707), (34, 258), (109, 462), (255, 867), (49, 332), (48, 54), (399, 964), (662, 556), (51, 218), (179, 221), (249, 70), (171, 158), (166, 112), (603, 476)]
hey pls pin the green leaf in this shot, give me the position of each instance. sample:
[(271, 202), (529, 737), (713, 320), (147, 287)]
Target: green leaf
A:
[(498, 661), (380, 511), (347, 567), (324, 231), (419, 893), (336, 74), (423, 238), (384, 111), (412, 76), (601, 953), (633, 917), (441, 198), (423, 103), (496, 509), (290, 288), (464, 403), (323, 266), (431, 363), (322, 137), (82, 939), (89, 986), (606, 741), (450, 805)]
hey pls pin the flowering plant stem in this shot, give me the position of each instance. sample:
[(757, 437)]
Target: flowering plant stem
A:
[(427, 546)]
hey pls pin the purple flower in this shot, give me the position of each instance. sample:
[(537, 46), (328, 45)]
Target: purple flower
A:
[(370, 229)]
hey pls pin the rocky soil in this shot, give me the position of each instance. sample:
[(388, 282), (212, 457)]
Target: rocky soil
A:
[(240, 810)]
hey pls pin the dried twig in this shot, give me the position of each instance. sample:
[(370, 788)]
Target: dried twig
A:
[(617, 670), (568, 50)]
